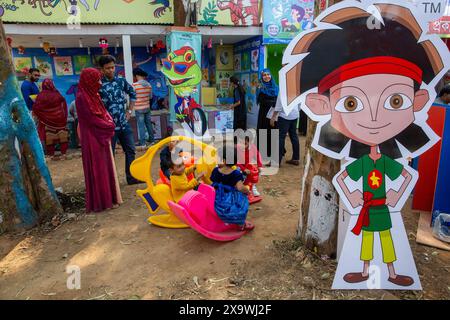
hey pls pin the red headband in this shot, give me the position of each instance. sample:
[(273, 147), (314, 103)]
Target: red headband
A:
[(374, 65)]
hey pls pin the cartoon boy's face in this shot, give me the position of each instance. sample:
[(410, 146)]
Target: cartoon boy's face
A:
[(372, 108)]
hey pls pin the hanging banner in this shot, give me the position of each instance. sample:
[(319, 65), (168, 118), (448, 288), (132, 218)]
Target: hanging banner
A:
[(184, 75), (283, 20), (367, 74), (229, 13), (87, 11)]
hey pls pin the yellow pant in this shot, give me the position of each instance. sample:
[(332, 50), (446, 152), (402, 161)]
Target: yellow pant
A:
[(387, 246)]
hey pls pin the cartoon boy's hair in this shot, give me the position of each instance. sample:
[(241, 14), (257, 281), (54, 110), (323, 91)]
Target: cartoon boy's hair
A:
[(348, 39)]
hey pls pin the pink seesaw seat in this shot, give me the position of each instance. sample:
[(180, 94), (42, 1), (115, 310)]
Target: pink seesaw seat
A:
[(196, 209)]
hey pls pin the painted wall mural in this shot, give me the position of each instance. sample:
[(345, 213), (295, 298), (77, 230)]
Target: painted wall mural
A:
[(229, 12), (75, 12), (35, 57)]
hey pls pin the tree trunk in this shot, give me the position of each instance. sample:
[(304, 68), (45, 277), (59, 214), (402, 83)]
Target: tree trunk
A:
[(319, 201), (27, 196)]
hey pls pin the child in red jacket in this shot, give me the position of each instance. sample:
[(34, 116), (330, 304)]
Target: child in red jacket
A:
[(250, 163)]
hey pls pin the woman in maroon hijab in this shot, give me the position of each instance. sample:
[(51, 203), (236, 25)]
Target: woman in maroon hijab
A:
[(96, 129), (50, 108)]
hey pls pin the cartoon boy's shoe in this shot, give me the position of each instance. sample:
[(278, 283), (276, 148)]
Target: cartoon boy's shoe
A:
[(355, 277), (400, 280)]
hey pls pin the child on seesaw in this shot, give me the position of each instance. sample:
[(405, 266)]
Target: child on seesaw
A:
[(179, 182), (166, 156), (229, 179), (252, 163)]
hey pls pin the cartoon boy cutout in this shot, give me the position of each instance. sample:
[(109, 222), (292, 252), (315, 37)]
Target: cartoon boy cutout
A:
[(371, 99)]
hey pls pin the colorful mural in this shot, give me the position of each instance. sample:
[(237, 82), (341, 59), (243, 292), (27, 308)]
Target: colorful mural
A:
[(73, 12), (229, 12)]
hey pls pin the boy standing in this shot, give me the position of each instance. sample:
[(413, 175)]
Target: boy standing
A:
[(142, 106), (113, 92)]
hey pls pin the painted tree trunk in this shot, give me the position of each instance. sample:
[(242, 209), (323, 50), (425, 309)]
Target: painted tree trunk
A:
[(319, 201), (27, 195)]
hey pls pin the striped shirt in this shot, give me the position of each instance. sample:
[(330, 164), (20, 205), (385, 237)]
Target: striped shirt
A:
[(143, 94)]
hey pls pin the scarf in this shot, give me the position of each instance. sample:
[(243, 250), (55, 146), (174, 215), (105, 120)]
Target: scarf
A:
[(268, 88), (50, 106), (88, 88)]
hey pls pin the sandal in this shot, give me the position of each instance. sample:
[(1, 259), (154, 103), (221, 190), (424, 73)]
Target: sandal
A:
[(248, 226)]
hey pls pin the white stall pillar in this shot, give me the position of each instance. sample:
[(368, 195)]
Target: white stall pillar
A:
[(127, 58)]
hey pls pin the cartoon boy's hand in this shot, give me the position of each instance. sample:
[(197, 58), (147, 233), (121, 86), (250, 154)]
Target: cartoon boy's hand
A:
[(392, 198), (356, 199)]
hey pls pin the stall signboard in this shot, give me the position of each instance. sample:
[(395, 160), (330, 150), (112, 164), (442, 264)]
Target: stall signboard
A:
[(283, 20), (229, 12), (75, 13)]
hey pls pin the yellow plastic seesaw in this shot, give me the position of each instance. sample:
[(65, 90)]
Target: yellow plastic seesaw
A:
[(156, 196)]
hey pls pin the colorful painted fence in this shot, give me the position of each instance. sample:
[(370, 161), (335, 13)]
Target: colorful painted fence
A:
[(88, 11)]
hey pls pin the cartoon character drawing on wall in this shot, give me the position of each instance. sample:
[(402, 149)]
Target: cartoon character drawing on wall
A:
[(370, 99), (73, 4), (255, 59), (160, 11), (184, 74), (242, 12), (66, 67), (297, 14)]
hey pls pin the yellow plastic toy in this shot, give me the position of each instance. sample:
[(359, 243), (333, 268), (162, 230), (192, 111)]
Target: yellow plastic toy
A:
[(156, 196)]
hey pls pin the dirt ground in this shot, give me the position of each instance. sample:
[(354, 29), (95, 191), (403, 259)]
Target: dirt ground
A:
[(121, 256)]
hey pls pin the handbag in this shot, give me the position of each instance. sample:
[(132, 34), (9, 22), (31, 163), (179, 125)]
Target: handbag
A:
[(230, 204)]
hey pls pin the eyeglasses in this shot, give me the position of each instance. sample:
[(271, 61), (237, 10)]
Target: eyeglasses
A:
[(178, 67)]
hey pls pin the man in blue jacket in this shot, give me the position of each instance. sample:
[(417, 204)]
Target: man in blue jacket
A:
[(29, 87)]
